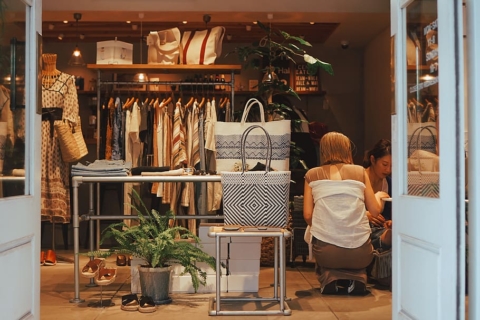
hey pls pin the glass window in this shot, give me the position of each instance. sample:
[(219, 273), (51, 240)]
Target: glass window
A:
[(12, 98), (422, 99)]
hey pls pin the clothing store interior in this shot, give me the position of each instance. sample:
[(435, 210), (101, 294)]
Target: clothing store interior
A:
[(166, 98)]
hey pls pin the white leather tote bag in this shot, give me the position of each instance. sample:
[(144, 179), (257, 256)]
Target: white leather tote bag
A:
[(164, 46)]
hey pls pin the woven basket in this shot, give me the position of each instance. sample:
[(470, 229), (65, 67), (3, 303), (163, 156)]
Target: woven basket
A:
[(70, 139)]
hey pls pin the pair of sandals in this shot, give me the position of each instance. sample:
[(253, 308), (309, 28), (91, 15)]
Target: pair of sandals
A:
[(96, 269), (130, 302)]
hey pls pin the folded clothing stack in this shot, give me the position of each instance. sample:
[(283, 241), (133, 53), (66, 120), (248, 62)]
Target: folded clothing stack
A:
[(102, 168)]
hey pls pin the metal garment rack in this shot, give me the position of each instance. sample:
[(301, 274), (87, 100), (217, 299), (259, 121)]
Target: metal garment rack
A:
[(161, 69), (78, 180), (279, 285)]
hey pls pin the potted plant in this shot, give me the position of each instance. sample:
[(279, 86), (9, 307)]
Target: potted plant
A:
[(274, 48), (160, 243)]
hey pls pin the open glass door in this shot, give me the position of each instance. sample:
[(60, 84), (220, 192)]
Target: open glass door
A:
[(428, 166), (20, 24)]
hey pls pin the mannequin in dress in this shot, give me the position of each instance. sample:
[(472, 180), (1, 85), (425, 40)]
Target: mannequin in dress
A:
[(59, 103)]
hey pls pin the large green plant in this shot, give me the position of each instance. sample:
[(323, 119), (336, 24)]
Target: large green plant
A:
[(265, 54), (156, 240)]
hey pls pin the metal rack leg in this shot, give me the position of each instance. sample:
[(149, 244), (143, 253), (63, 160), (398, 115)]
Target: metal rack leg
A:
[(76, 245), (91, 228)]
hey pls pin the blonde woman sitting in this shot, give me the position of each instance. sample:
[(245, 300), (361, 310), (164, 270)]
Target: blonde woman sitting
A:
[(335, 197)]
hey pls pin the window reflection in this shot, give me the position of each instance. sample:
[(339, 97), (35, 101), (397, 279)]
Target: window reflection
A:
[(12, 101), (422, 99)]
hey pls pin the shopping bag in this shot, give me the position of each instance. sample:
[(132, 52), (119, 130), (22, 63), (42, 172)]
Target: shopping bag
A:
[(202, 46), (228, 136), (164, 46), (71, 141), (256, 198), (423, 177)]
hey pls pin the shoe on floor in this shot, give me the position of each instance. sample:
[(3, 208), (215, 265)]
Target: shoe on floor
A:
[(130, 302), (330, 288), (50, 258), (147, 305), (121, 260), (357, 288)]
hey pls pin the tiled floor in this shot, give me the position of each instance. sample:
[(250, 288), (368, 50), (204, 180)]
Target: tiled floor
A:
[(306, 302)]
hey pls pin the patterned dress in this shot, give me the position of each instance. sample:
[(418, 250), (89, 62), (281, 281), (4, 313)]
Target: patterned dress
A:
[(55, 177)]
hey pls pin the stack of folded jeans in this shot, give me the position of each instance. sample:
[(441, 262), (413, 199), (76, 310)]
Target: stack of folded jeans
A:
[(102, 168)]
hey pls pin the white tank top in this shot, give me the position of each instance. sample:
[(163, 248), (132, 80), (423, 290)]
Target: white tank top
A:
[(339, 216)]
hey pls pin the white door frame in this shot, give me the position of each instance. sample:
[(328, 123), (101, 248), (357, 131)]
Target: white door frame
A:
[(428, 233), (473, 66), (20, 229)]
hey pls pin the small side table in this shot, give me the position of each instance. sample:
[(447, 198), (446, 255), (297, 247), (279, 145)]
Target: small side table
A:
[(279, 286)]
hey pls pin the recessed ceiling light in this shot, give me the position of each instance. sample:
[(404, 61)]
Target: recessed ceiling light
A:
[(248, 28), (60, 36), (311, 22), (65, 21), (51, 26), (255, 22), (128, 21), (185, 22)]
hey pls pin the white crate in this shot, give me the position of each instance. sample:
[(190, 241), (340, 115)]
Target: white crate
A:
[(183, 284), (245, 250), (246, 239), (243, 267), (242, 283), (209, 248), (114, 52)]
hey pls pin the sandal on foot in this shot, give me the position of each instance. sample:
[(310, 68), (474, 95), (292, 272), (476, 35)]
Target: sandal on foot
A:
[(50, 258), (90, 270), (106, 276), (147, 305), (130, 302)]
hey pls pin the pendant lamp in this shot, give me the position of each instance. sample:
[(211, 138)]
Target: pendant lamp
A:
[(141, 76), (76, 59)]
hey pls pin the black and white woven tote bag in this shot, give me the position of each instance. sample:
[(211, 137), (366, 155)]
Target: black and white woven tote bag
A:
[(256, 198)]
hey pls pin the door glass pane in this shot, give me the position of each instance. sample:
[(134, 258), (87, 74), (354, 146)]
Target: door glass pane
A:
[(12, 98), (422, 99)]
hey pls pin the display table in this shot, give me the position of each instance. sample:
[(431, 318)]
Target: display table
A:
[(279, 285), (78, 180)]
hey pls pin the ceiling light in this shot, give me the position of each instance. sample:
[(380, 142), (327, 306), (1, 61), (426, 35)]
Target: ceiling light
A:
[(270, 16), (141, 77), (82, 36), (76, 59), (185, 22), (60, 36), (134, 27), (51, 26), (311, 22), (255, 22), (65, 21), (248, 28), (128, 21), (229, 37)]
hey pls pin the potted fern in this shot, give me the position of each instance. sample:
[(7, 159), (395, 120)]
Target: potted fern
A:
[(161, 244)]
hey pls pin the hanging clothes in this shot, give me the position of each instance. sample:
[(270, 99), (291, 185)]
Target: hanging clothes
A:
[(55, 202), (167, 150)]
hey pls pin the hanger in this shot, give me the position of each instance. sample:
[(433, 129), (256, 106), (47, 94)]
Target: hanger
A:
[(189, 103), (167, 101), (200, 105)]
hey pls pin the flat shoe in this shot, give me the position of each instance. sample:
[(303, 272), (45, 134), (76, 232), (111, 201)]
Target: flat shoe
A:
[(130, 302), (50, 258), (106, 276), (42, 258), (147, 305), (121, 260), (90, 270)]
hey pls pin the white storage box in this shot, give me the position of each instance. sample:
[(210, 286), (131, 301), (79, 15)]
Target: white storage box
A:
[(114, 52)]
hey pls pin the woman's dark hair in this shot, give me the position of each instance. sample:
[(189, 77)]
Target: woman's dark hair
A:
[(381, 149)]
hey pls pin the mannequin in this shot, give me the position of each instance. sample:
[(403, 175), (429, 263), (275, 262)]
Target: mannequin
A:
[(59, 103)]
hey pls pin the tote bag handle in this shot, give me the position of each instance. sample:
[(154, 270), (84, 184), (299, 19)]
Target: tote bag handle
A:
[(268, 159), (249, 105)]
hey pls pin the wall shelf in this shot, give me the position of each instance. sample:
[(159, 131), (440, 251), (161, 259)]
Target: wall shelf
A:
[(162, 68)]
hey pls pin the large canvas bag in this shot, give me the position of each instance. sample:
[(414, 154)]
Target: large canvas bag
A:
[(164, 46), (202, 46), (256, 198), (228, 137)]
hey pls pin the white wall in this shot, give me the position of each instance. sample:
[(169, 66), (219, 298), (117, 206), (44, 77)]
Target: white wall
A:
[(377, 88)]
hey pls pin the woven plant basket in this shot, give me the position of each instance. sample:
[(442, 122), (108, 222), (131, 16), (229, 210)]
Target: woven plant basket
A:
[(70, 139)]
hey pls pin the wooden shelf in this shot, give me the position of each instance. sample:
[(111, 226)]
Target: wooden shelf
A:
[(161, 68)]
